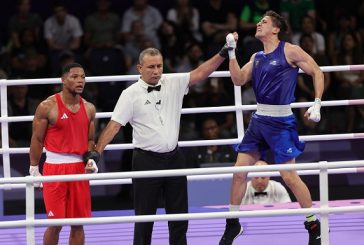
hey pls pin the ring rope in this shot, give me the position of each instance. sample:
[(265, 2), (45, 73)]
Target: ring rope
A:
[(13, 82), (210, 109), (176, 217), (118, 181), (183, 172)]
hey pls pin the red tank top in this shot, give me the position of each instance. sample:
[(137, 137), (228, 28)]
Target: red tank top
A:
[(70, 132)]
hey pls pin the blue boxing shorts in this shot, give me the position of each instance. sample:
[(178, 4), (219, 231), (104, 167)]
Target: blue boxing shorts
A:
[(279, 134)]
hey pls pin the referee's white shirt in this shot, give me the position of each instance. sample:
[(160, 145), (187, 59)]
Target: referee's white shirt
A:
[(276, 193), (155, 116)]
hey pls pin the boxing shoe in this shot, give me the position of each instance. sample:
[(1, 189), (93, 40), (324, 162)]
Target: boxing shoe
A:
[(314, 232), (233, 229)]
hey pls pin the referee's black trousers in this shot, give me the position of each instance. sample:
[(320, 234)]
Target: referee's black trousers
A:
[(147, 192)]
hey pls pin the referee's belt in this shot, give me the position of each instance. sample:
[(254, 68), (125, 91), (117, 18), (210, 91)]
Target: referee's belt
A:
[(157, 154)]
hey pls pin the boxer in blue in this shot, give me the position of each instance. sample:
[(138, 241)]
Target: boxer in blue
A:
[(273, 74)]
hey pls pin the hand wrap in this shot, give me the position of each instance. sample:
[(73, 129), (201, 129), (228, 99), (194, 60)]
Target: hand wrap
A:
[(314, 111), (231, 43), (228, 50), (91, 155), (34, 171), (94, 166)]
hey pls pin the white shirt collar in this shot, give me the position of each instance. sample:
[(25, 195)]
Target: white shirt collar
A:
[(145, 85)]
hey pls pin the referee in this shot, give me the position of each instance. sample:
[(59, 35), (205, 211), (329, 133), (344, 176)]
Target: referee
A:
[(153, 108)]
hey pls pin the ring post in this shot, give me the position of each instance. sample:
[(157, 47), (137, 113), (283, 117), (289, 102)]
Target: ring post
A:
[(29, 210), (324, 202), (239, 113), (5, 133)]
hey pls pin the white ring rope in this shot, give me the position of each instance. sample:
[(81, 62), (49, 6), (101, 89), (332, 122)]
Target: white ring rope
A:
[(321, 168), (123, 181), (182, 172), (119, 78), (125, 146), (210, 109), (175, 217)]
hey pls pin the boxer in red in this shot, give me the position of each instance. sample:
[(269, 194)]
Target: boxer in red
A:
[(64, 124)]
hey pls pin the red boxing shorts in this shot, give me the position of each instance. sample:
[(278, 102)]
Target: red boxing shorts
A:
[(66, 199)]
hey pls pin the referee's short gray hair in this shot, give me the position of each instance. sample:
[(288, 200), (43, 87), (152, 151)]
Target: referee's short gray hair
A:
[(148, 51)]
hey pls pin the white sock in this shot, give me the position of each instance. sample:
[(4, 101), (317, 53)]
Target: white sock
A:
[(234, 207), (311, 217)]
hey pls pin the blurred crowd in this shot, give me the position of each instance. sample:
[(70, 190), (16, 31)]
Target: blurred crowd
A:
[(107, 41)]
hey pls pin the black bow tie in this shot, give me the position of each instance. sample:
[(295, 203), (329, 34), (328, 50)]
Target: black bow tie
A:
[(260, 193), (151, 88)]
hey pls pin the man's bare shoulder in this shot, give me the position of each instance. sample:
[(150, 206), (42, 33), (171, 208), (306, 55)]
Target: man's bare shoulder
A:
[(45, 107), (88, 104), (48, 102), (90, 107), (294, 53), (290, 48)]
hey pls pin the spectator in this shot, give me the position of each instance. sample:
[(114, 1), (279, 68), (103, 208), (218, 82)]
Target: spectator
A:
[(171, 44), (20, 104), (350, 83), (22, 20), (193, 57), (360, 18), (151, 17), (101, 28), (294, 10), (187, 18), (135, 39), (263, 190), (105, 57), (4, 60), (29, 60), (308, 27), (217, 95), (62, 32), (250, 15), (143, 43), (213, 153), (335, 37), (304, 91), (217, 20)]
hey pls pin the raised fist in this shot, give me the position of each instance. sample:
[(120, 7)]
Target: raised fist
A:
[(313, 113)]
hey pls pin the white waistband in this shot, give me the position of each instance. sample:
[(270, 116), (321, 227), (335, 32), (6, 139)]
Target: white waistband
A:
[(57, 158), (274, 110)]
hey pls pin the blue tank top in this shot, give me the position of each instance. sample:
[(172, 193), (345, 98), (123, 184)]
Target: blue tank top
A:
[(273, 79)]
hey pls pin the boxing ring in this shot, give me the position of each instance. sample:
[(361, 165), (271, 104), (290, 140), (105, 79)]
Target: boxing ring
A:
[(278, 224)]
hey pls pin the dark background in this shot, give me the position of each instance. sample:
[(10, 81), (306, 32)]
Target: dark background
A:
[(81, 8)]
